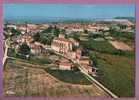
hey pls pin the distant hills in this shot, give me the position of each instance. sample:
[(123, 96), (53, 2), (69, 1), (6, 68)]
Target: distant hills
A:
[(62, 19), (132, 19)]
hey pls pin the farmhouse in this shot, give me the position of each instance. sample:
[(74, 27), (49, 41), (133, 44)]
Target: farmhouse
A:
[(65, 64)]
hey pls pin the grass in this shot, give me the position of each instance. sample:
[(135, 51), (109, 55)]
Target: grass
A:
[(100, 46), (41, 61), (69, 76), (125, 37), (118, 74), (116, 68), (104, 47)]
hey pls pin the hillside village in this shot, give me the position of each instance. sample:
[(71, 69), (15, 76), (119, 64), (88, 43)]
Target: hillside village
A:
[(60, 43), (69, 46)]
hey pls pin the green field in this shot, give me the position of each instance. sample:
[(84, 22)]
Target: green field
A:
[(100, 46), (116, 68), (69, 76), (118, 74)]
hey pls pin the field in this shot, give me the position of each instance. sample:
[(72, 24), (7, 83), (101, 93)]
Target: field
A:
[(28, 81), (125, 37), (116, 68), (116, 73), (100, 46), (69, 76), (120, 45)]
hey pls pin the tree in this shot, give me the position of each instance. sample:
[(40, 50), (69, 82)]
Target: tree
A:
[(63, 30), (76, 37), (46, 38), (95, 63), (24, 49), (36, 37), (86, 31), (15, 31), (56, 31), (48, 30), (75, 68)]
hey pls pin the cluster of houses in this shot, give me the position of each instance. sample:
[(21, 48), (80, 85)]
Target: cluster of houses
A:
[(96, 26), (65, 46), (76, 27), (35, 47), (30, 28)]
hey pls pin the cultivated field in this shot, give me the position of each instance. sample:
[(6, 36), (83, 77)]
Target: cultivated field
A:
[(28, 81)]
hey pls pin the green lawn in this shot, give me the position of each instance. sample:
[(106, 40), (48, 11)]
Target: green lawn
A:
[(69, 76), (118, 74)]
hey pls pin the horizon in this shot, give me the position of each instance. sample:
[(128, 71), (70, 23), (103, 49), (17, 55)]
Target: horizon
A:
[(43, 12)]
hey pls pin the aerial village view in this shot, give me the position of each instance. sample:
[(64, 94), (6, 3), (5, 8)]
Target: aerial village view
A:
[(68, 50)]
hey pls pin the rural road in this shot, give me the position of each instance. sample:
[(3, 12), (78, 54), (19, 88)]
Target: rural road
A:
[(6, 51), (83, 70), (99, 85)]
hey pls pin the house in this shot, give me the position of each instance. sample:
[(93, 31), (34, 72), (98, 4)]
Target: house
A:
[(12, 26), (88, 68), (65, 64), (16, 49), (78, 53), (74, 42), (22, 28), (85, 61), (35, 49), (61, 44), (93, 72), (24, 38), (74, 55)]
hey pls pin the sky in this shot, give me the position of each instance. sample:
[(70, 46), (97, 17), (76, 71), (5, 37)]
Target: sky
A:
[(42, 11)]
